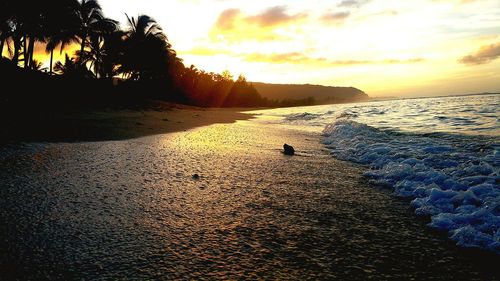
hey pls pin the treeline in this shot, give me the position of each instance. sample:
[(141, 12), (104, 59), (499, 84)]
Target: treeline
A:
[(139, 56)]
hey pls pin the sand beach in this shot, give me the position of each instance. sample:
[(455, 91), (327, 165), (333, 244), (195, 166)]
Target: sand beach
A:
[(131, 209)]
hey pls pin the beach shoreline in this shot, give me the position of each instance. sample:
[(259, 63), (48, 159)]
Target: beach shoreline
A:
[(111, 123), (106, 210)]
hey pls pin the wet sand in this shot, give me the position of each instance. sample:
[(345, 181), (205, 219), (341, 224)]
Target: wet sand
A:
[(131, 209)]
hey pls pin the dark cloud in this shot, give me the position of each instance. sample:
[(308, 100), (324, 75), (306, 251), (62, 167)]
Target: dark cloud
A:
[(485, 54)]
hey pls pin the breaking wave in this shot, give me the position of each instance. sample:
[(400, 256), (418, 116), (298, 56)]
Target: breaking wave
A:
[(454, 179)]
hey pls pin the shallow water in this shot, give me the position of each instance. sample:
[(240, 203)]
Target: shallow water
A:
[(132, 210), (462, 115), (444, 153)]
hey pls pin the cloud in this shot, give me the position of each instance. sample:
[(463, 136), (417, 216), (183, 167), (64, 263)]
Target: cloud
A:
[(227, 19), (300, 58), (274, 16), (339, 18), (235, 25), (485, 55), (336, 18), (282, 58), (352, 3), (455, 1), (384, 61), (207, 52), (385, 13)]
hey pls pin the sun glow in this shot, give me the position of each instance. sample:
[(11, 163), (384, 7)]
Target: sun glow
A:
[(382, 47)]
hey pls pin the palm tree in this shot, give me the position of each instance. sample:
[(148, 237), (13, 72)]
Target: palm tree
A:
[(61, 27), (101, 45), (23, 25), (147, 50), (5, 27), (89, 14), (65, 68), (28, 20), (35, 33), (11, 27), (5, 41), (61, 39), (37, 65), (113, 54), (72, 69)]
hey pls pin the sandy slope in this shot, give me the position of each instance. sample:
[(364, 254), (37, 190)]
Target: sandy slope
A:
[(110, 123)]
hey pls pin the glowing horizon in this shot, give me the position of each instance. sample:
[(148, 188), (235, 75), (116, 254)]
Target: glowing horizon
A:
[(386, 48)]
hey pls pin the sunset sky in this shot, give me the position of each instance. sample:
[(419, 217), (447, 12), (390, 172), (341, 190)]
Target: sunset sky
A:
[(386, 48)]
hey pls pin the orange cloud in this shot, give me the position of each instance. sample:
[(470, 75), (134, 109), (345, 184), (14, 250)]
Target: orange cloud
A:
[(299, 58), (485, 54), (292, 57)]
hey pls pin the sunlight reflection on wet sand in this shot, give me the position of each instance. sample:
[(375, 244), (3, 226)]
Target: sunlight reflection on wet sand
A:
[(133, 209)]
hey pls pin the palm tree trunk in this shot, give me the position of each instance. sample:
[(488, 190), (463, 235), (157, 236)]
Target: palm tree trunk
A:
[(17, 49), (2, 43), (25, 51), (82, 50), (31, 51), (51, 60), (97, 62)]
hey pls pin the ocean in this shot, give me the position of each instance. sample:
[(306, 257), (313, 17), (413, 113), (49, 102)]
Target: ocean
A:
[(443, 153)]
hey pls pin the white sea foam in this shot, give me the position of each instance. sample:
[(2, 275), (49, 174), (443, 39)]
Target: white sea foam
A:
[(453, 179), (302, 116), (443, 152)]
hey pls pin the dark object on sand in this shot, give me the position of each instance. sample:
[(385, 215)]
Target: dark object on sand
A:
[(196, 177), (289, 149)]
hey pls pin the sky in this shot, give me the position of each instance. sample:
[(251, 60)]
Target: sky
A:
[(384, 47)]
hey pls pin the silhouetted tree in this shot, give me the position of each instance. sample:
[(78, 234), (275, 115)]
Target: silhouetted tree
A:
[(110, 55), (141, 53), (146, 50), (37, 65), (12, 27), (89, 15), (61, 27), (5, 25), (72, 69), (103, 30), (35, 15)]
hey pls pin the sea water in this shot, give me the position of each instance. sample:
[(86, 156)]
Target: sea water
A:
[(443, 153)]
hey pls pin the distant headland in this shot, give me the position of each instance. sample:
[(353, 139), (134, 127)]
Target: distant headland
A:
[(317, 94)]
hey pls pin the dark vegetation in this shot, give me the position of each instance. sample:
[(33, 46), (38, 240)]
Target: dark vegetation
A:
[(112, 65)]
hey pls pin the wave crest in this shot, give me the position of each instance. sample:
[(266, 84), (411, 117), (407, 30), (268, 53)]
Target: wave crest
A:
[(302, 116), (452, 179)]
